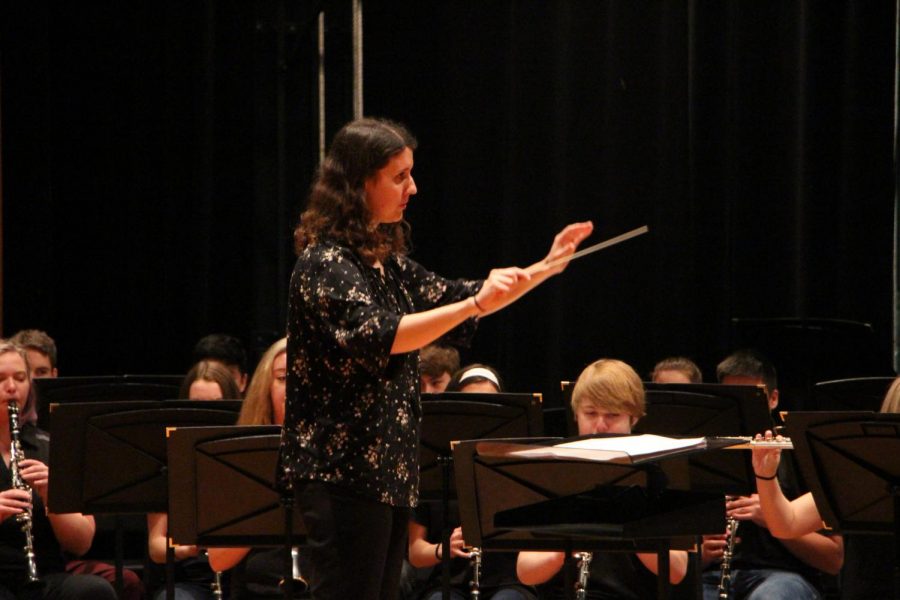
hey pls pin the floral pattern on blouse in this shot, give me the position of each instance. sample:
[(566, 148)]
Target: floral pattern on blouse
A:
[(352, 413)]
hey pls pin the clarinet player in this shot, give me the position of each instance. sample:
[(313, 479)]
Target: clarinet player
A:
[(762, 567), (50, 533)]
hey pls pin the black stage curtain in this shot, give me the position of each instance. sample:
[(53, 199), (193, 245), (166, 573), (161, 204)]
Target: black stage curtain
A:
[(141, 203)]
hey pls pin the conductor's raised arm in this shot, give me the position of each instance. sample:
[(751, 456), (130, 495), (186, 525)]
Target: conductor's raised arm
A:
[(501, 288)]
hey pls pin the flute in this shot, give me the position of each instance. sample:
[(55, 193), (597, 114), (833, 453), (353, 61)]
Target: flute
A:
[(749, 442)]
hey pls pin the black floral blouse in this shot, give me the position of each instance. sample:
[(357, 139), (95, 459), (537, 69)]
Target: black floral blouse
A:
[(352, 415)]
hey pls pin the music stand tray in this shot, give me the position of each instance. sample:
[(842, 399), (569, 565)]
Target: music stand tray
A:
[(222, 487), (850, 461), (491, 488), (515, 503), (103, 388), (452, 416), (709, 409), (853, 394), (110, 457)]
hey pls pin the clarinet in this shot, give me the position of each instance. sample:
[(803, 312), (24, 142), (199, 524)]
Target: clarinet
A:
[(475, 583), (584, 572), (216, 585), (24, 518), (730, 540), (300, 584)]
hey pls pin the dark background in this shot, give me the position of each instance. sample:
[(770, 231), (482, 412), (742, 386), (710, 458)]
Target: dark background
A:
[(155, 157)]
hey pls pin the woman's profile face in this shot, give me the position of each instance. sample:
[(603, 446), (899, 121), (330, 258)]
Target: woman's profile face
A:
[(389, 189), (277, 390)]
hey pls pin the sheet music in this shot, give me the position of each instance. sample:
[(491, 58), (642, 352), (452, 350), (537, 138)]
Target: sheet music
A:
[(602, 449)]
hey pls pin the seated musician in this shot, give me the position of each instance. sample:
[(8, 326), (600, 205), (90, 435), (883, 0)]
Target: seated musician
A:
[(607, 398), (497, 579), (257, 572), (229, 352), (676, 369), (476, 378), (50, 534), (763, 567), (194, 580), (437, 364), (42, 354), (869, 560)]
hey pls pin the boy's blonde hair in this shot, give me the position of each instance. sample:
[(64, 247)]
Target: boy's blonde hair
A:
[(611, 385)]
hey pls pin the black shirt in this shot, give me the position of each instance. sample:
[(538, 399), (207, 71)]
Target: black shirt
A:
[(498, 569), (352, 414), (48, 554), (759, 549), (612, 575)]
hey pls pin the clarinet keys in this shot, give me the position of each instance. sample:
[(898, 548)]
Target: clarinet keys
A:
[(16, 456)]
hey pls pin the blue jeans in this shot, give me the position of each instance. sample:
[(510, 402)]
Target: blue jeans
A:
[(761, 584), (186, 591)]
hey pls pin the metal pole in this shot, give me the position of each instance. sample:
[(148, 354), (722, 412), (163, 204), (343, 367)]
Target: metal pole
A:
[(321, 47), (896, 188), (357, 59)]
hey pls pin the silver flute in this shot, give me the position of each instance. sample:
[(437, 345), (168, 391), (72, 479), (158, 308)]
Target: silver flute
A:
[(584, 572), (731, 526), (16, 455)]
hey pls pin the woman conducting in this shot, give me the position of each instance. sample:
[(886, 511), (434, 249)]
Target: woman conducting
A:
[(359, 310)]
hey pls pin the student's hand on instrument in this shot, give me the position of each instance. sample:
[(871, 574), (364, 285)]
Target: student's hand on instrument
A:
[(745, 508), (36, 474), (458, 544), (713, 549), (766, 459), (566, 243), (13, 502)]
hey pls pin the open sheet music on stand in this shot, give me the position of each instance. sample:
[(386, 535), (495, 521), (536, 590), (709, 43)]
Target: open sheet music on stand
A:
[(624, 449)]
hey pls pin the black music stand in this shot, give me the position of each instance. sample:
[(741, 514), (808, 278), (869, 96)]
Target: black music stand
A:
[(807, 350), (516, 503), (237, 463), (105, 388), (855, 393), (452, 416), (850, 461), (110, 457), (704, 410)]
